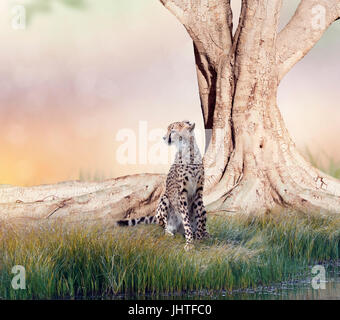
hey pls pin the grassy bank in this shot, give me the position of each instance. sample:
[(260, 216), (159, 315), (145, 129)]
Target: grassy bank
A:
[(86, 262)]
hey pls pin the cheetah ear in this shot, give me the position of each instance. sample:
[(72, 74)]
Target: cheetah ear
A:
[(192, 126), (189, 123)]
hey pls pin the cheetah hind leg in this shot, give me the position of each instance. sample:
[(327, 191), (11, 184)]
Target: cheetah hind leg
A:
[(201, 216)]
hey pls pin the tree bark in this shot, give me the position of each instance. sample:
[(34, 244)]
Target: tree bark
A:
[(82, 202), (252, 165)]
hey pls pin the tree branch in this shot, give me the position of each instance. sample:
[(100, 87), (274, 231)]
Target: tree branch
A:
[(177, 8), (209, 24), (311, 19)]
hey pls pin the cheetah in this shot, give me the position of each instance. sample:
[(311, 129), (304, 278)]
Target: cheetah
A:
[(180, 208)]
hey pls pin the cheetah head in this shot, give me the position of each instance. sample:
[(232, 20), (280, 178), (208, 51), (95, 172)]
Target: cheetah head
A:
[(179, 132)]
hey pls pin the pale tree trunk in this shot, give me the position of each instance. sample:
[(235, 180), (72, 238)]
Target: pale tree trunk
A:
[(252, 165), (270, 172)]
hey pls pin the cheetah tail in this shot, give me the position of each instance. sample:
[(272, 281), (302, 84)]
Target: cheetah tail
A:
[(134, 222)]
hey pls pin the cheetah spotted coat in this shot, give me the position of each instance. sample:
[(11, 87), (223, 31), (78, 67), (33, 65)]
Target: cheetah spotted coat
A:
[(181, 207)]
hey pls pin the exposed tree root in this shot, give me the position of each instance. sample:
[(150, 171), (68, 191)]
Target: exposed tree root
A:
[(255, 165), (135, 195), (285, 186)]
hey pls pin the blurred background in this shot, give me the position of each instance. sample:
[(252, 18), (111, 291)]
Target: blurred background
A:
[(84, 70)]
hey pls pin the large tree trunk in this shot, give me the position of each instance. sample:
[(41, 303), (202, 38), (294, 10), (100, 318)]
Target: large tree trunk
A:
[(264, 170), (252, 165)]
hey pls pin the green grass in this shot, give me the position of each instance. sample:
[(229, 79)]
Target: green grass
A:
[(93, 262), (88, 262)]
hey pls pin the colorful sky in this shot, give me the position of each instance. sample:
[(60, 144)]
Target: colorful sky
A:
[(74, 78)]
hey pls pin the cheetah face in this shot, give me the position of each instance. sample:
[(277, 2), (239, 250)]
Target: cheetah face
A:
[(178, 132)]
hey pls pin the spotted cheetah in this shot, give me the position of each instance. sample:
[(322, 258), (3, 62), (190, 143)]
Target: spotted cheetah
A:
[(181, 207)]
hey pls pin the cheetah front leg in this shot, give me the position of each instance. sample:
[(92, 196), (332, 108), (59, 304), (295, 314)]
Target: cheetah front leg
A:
[(184, 211), (162, 211), (200, 215)]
